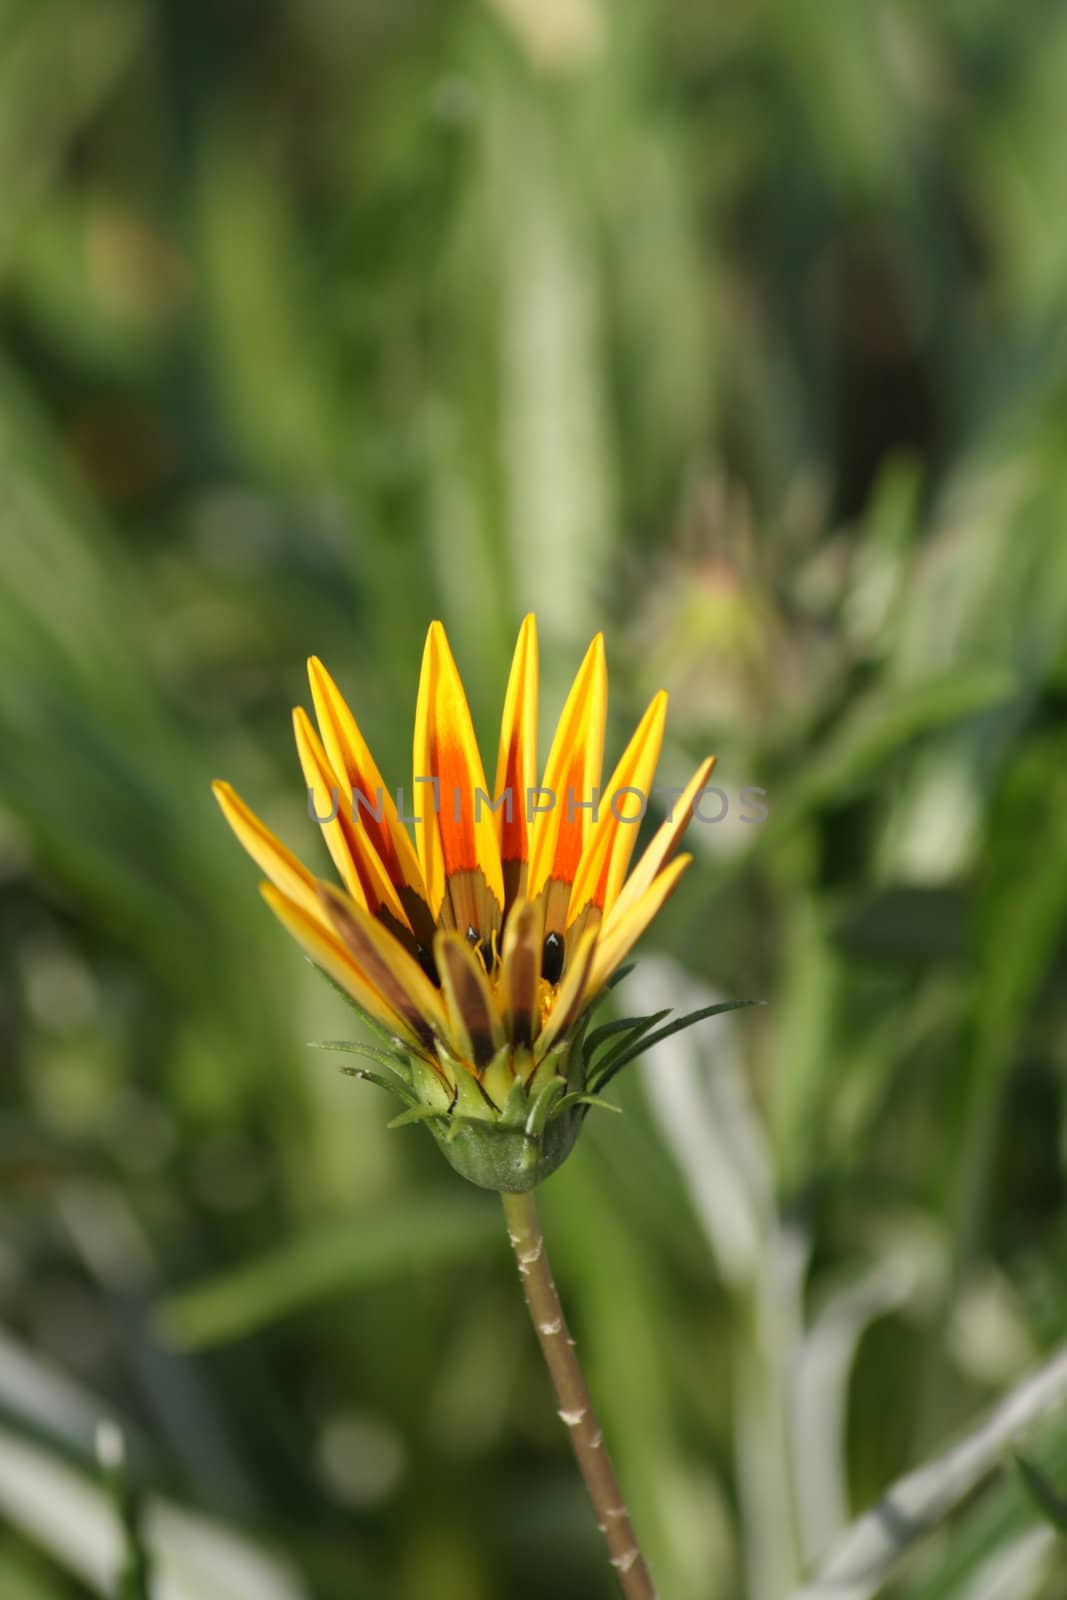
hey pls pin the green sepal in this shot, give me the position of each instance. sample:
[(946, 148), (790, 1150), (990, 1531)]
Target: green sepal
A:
[(608, 1030), (414, 1113), (471, 1100), (543, 1107), (396, 1059), (506, 1159), (516, 1106), (586, 1100), (398, 1087), (550, 1065), (499, 1076), (397, 1067), (426, 1082), (372, 1023), (603, 1072), (597, 1072)]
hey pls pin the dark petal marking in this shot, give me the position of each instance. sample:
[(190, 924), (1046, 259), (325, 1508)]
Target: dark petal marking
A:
[(552, 958), (428, 965)]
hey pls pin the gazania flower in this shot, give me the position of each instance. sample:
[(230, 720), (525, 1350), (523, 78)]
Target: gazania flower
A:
[(478, 951)]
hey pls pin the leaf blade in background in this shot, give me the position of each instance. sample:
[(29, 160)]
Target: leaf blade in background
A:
[(418, 1234)]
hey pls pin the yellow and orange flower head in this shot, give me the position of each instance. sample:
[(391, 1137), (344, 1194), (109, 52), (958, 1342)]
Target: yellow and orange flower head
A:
[(478, 952)]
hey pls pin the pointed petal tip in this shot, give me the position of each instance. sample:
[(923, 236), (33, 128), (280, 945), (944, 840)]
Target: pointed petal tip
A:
[(656, 711), (230, 802)]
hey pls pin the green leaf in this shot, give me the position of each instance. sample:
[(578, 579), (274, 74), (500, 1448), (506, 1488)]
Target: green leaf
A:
[(135, 1573), (356, 1252), (70, 1517), (888, 718), (1051, 1505)]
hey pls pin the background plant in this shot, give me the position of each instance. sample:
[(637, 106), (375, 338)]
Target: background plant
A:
[(736, 329)]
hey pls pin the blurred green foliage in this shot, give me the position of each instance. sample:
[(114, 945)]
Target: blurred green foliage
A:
[(739, 330)]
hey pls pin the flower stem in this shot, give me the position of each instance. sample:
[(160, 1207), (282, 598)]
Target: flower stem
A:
[(575, 1406)]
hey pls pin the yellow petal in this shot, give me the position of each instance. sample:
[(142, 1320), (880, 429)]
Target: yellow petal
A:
[(327, 952), (571, 774), (351, 759), (472, 1013), (570, 997), (607, 855), (457, 839), (348, 840), (268, 852), (663, 844), (393, 971), (619, 936), (516, 767)]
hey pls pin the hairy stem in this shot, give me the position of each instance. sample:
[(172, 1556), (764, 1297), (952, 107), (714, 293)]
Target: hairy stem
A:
[(575, 1406)]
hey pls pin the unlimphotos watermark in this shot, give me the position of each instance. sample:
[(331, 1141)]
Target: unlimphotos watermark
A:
[(627, 804)]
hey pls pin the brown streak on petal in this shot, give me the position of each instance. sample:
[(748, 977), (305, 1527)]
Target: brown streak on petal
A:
[(468, 996), (418, 914), (521, 969), (589, 917), (515, 876), (469, 903), (557, 896), (386, 977)]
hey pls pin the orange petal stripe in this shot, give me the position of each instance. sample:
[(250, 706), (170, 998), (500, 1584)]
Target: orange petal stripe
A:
[(573, 768), (350, 758), (516, 767), (453, 838), (349, 843), (607, 855)]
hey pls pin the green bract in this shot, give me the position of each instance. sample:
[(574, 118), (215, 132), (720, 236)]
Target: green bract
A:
[(512, 1125)]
